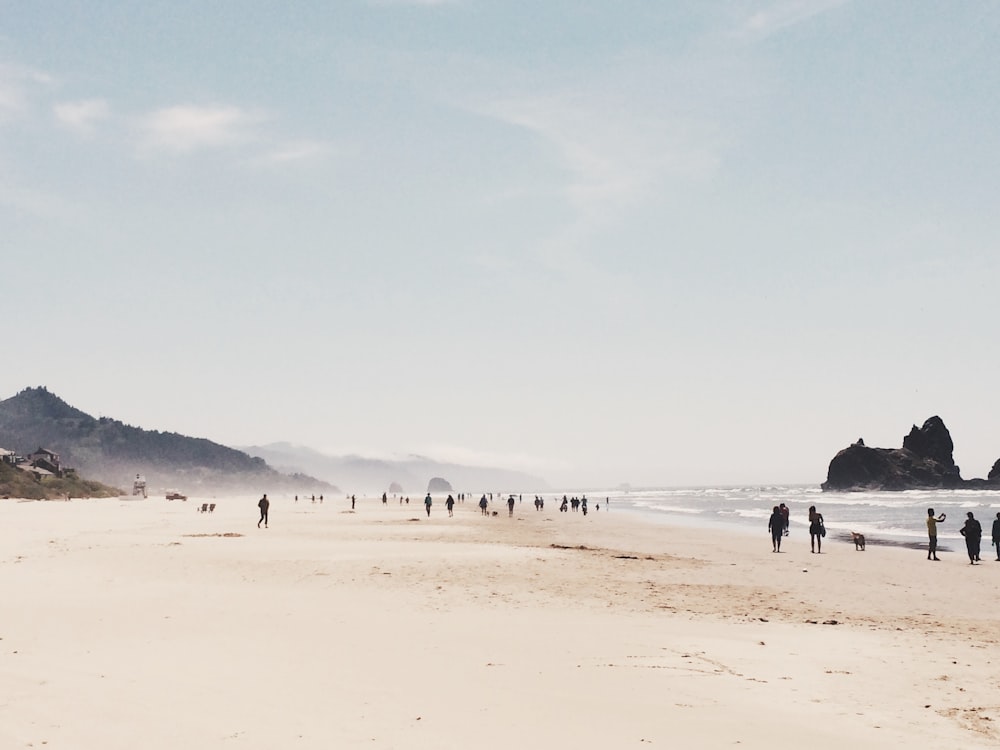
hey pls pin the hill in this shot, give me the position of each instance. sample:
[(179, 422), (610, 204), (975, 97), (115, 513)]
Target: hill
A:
[(113, 452), (412, 473)]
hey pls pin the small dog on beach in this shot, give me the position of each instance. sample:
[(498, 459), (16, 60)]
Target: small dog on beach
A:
[(859, 541)]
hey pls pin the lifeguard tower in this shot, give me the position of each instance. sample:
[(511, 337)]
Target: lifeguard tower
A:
[(139, 485)]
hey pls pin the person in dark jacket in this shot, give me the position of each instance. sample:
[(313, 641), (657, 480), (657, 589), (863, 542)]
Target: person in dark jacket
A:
[(776, 525), (263, 504), (973, 534), (996, 536)]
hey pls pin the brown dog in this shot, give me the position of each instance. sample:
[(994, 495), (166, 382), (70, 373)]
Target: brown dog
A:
[(859, 541)]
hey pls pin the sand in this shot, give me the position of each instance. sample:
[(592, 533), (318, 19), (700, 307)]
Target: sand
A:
[(148, 624)]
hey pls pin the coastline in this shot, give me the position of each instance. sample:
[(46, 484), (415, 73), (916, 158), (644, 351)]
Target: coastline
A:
[(384, 628)]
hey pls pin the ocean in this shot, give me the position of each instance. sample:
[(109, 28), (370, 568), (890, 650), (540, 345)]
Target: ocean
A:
[(895, 518)]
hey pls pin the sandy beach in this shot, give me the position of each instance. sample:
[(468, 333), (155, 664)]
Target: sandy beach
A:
[(148, 624)]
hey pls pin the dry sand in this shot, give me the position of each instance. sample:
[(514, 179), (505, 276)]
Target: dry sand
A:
[(149, 625)]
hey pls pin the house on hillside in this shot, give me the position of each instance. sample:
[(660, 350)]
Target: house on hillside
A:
[(45, 459), (35, 471), (8, 457)]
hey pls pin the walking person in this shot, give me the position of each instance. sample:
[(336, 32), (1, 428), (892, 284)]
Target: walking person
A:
[(427, 504), (510, 506), (996, 535), (263, 504), (483, 504), (776, 525), (973, 533), (932, 523), (450, 505), (816, 530), (785, 513)]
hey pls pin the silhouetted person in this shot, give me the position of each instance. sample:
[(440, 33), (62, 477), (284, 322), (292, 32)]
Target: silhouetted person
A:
[(482, 505), (352, 502), (932, 523), (263, 504), (427, 504), (815, 529), (776, 525), (784, 514), (510, 506), (973, 533), (996, 535), (450, 505)]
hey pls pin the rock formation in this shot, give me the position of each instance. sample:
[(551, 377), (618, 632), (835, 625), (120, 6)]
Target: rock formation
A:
[(437, 484), (924, 462)]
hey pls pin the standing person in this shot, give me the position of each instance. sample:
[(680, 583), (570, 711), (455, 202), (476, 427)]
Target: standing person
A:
[(352, 502), (932, 523), (263, 504), (784, 514), (450, 505), (996, 535), (973, 533), (816, 530), (510, 506), (483, 504), (427, 504), (776, 525)]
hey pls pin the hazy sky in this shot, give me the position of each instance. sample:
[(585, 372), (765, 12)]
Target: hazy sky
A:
[(649, 242)]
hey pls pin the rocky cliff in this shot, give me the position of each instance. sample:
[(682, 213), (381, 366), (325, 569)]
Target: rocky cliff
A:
[(924, 462)]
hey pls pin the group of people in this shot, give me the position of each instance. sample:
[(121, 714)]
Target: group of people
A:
[(971, 530), (777, 524)]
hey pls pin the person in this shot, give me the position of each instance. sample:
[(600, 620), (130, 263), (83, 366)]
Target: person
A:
[(510, 506), (352, 502), (776, 525), (483, 504), (427, 504), (996, 535), (384, 499), (932, 523), (784, 515), (263, 504), (450, 505), (973, 533), (816, 530)]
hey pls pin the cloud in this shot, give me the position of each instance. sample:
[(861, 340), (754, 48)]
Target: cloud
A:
[(82, 115), (783, 15), (186, 128), (295, 151), (17, 83)]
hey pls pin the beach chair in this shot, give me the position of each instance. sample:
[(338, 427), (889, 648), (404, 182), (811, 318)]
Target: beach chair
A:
[(211, 507), (203, 508)]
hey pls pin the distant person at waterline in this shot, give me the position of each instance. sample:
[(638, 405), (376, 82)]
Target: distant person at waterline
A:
[(973, 533), (263, 504), (996, 535), (776, 525), (483, 504), (932, 523)]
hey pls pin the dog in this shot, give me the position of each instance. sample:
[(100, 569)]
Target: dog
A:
[(495, 512), (859, 541)]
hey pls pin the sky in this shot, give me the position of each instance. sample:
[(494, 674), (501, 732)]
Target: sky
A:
[(659, 243)]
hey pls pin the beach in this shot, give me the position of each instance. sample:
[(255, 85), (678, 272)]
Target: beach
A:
[(148, 624)]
